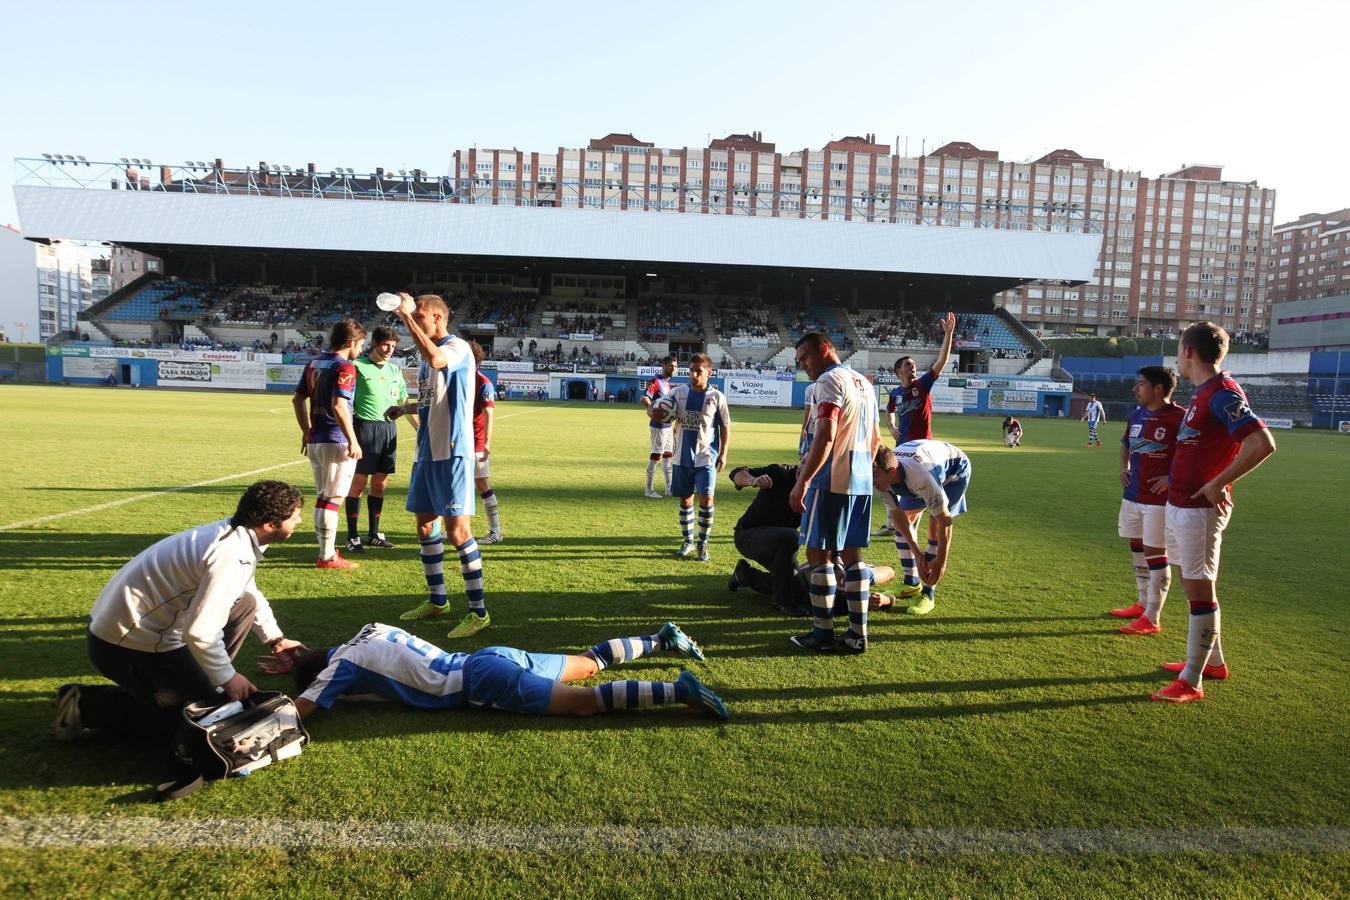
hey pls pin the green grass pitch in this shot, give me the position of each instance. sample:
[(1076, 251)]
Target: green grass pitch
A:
[(1015, 709)]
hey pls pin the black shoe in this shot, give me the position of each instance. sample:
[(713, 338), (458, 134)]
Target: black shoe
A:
[(378, 541), (809, 641), (850, 645), (354, 545), (734, 583)]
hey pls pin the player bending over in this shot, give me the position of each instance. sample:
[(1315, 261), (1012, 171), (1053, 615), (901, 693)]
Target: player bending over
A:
[(924, 474), (1146, 451), (702, 439), (1012, 431), (662, 447), (393, 664)]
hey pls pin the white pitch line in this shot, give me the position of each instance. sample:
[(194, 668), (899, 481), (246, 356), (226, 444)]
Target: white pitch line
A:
[(125, 500), (51, 832), (526, 412)]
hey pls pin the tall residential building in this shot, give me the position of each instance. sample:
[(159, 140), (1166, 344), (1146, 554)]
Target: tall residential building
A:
[(71, 277), (1182, 246), (1310, 257), (126, 265), (18, 303)]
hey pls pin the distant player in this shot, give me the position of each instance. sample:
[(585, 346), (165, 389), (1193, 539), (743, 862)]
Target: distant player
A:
[(1220, 440), (909, 407), (919, 475), (1012, 431), (834, 493), (661, 435), (1094, 415), (484, 409), (440, 489), (395, 665), (323, 410), (1146, 451), (702, 440), (380, 386)]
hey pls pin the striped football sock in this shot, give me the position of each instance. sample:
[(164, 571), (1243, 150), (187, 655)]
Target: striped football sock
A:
[(637, 694), (471, 567), (908, 571), (1201, 638), (325, 525), (822, 601), (1140, 570), (490, 505), (621, 650), (433, 567), (705, 522), (687, 523), (857, 585), (1159, 580)]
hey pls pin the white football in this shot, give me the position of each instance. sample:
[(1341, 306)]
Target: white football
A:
[(665, 408)]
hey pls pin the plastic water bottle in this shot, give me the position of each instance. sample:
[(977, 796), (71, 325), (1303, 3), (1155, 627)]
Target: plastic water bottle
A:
[(388, 302)]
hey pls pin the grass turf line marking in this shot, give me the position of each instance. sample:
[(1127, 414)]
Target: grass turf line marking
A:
[(41, 520), (125, 500), (49, 832)]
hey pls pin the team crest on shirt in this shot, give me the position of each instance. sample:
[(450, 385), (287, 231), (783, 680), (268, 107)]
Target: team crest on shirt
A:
[(1238, 410), (1135, 429), (1159, 433), (346, 379)]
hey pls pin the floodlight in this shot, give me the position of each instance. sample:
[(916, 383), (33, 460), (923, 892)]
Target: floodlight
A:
[(122, 158)]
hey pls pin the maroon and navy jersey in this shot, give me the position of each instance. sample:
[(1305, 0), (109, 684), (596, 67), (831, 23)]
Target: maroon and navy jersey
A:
[(327, 379), (915, 405), (1151, 436), (1215, 424), (484, 398), (657, 388), (1011, 426)]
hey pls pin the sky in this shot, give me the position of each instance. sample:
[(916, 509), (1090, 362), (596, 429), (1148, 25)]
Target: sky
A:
[(1146, 85)]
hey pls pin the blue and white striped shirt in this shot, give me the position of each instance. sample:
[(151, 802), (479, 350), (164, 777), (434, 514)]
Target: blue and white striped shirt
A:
[(392, 664)]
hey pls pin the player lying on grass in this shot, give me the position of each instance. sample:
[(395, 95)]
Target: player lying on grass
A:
[(393, 664), (930, 475)]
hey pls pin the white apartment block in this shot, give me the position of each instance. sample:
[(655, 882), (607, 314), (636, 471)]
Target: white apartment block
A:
[(71, 277), (1179, 247)]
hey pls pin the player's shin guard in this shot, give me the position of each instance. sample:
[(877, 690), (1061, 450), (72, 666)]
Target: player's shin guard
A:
[(490, 505), (433, 567), (325, 525), (705, 522), (622, 650), (857, 586), (1159, 580), (908, 571), (687, 523), (636, 694), (1140, 571), (374, 509), (822, 601), (1201, 637), (353, 507), (651, 472), (471, 567)]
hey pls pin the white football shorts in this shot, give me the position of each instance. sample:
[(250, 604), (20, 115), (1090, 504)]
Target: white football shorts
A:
[(663, 441), (1145, 522), (332, 469), (482, 466), (1193, 540)]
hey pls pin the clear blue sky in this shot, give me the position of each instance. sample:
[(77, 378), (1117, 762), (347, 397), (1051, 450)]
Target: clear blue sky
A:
[(1257, 87)]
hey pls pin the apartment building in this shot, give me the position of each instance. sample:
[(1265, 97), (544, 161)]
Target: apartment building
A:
[(1310, 257), (71, 277), (1182, 246)]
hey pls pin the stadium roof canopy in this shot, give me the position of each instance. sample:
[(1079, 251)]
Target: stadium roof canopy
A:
[(963, 262)]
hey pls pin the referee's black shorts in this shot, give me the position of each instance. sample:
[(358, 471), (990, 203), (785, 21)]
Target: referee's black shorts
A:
[(379, 446)]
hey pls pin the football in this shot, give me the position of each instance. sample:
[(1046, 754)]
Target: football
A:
[(664, 409)]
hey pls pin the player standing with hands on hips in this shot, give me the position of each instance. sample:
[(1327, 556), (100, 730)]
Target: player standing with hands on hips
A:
[(1219, 441), (440, 488)]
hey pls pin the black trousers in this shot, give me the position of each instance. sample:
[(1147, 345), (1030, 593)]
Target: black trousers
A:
[(774, 548), (150, 689)]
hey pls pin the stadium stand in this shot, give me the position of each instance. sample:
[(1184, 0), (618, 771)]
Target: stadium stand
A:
[(588, 317), (511, 314), (819, 318), (663, 317), (744, 317), (168, 298), (264, 305)]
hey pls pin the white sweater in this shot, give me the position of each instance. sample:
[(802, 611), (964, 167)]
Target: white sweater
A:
[(179, 592)]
